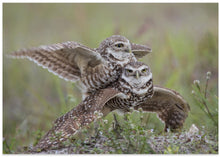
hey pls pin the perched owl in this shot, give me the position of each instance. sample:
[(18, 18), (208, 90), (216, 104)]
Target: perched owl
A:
[(134, 86), (92, 68)]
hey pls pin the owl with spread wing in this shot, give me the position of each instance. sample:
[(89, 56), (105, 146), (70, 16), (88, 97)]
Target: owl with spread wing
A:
[(111, 78), (92, 68)]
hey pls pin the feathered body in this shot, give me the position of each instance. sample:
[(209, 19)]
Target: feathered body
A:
[(137, 87), (119, 95)]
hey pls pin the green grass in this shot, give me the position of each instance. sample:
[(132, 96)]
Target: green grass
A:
[(184, 39)]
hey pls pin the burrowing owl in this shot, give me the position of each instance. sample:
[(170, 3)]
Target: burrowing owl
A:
[(92, 68), (134, 86), (135, 89)]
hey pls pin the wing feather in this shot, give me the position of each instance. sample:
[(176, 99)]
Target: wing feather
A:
[(80, 116), (169, 105), (68, 60), (140, 50)]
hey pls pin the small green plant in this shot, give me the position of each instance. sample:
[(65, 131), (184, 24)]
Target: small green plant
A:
[(111, 137), (8, 147), (129, 137), (38, 134), (206, 104), (172, 149)]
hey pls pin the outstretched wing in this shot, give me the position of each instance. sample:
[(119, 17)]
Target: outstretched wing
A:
[(169, 105), (67, 60), (82, 115), (140, 50)]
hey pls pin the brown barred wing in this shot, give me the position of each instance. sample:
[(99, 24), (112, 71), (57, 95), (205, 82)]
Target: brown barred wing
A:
[(170, 106), (70, 123), (68, 60)]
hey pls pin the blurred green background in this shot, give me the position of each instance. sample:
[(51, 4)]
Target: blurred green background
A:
[(184, 39)]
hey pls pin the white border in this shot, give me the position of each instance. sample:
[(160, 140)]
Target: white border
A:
[(111, 1), (87, 1)]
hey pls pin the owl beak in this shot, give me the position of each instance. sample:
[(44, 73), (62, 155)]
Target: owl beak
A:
[(137, 75), (128, 50)]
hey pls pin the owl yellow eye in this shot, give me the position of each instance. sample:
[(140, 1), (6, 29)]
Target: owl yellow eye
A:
[(129, 70), (144, 70), (119, 45)]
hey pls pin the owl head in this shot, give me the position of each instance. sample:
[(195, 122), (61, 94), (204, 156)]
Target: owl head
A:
[(138, 76), (116, 49)]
